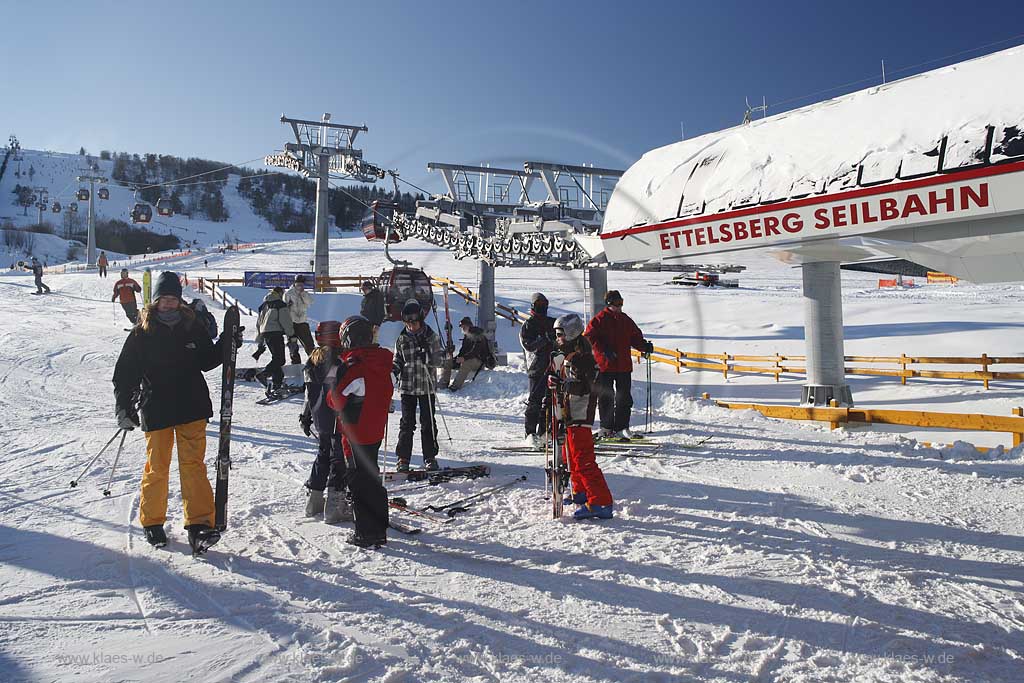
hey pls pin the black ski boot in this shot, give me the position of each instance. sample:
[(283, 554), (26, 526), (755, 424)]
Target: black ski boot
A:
[(361, 541), (431, 465), (403, 466), (201, 537), (156, 535)]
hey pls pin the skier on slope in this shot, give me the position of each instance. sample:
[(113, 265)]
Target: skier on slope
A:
[(537, 338), (571, 378), (125, 289), (328, 471), (162, 364), (418, 355), (372, 307), (474, 353), (612, 333), (37, 271), (273, 325), (102, 263), (299, 301), (361, 396)]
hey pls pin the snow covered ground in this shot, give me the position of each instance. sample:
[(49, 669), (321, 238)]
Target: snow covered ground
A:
[(777, 551)]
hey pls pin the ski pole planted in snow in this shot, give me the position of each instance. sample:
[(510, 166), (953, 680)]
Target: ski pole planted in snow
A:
[(120, 447), (74, 482)]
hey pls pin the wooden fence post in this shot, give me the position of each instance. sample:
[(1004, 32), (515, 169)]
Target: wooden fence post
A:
[(679, 361), (984, 368), (903, 369), (725, 366), (1018, 437)]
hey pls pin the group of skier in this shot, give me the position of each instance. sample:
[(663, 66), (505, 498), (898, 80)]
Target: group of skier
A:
[(350, 382), (571, 372)]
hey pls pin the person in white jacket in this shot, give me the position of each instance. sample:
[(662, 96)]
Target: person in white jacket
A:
[(299, 301)]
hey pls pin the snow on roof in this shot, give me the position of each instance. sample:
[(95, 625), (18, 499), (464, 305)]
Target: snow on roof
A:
[(887, 132)]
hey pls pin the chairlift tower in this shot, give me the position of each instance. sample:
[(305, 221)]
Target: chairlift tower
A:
[(320, 148), (41, 204), (90, 249)]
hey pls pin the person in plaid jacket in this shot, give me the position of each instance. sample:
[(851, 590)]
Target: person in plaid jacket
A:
[(418, 355)]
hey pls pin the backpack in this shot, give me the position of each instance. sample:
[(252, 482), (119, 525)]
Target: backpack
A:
[(204, 317)]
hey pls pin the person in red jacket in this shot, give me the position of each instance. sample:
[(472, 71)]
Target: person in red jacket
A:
[(571, 379), (361, 395), (612, 334), (125, 289)]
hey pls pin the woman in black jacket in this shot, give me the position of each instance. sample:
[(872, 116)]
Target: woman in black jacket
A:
[(161, 370)]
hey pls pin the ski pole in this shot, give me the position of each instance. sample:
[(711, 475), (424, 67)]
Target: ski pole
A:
[(384, 455), (74, 482), (120, 446), (648, 394), (437, 410), (457, 506)]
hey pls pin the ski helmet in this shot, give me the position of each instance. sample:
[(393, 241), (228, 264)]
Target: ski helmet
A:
[(412, 311), (570, 325), (356, 332), (124, 272), (300, 278), (328, 333), (613, 298)]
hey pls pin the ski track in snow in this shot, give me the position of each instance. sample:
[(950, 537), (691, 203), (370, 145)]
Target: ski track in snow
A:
[(774, 552)]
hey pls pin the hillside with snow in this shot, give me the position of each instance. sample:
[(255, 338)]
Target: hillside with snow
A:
[(58, 172), (774, 551)]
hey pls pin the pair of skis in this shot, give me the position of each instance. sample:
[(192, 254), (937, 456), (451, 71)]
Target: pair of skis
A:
[(227, 404)]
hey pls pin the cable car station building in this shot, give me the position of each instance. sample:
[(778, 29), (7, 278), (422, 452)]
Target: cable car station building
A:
[(929, 169)]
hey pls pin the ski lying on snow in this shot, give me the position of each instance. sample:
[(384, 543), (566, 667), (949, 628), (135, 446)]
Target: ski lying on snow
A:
[(403, 528), (441, 475), (402, 506), (280, 395)]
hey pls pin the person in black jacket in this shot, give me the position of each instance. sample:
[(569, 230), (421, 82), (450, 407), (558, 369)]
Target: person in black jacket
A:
[(372, 307), (538, 340), (161, 368), (325, 487), (474, 353)]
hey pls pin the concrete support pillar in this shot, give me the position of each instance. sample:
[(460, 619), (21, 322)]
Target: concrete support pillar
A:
[(597, 287), (485, 313), (321, 246), (823, 336)]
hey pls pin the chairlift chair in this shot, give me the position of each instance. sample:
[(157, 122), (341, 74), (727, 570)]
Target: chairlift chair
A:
[(142, 213), (103, 193), (56, 207), (73, 207), (82, 195), (401, 284), (163, 207)]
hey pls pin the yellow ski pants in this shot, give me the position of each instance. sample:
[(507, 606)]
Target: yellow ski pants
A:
[(196, 494)]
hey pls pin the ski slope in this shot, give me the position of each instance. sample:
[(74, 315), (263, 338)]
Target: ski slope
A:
[(777, 551)]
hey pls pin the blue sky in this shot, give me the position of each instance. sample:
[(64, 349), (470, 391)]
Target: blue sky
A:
[(469, 82)]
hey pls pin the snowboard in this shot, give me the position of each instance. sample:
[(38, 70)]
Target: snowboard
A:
[(227, 396)]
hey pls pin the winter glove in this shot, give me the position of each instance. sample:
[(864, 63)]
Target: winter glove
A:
[(554, 381), (306, 421), (647, 347), (127, 418)]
